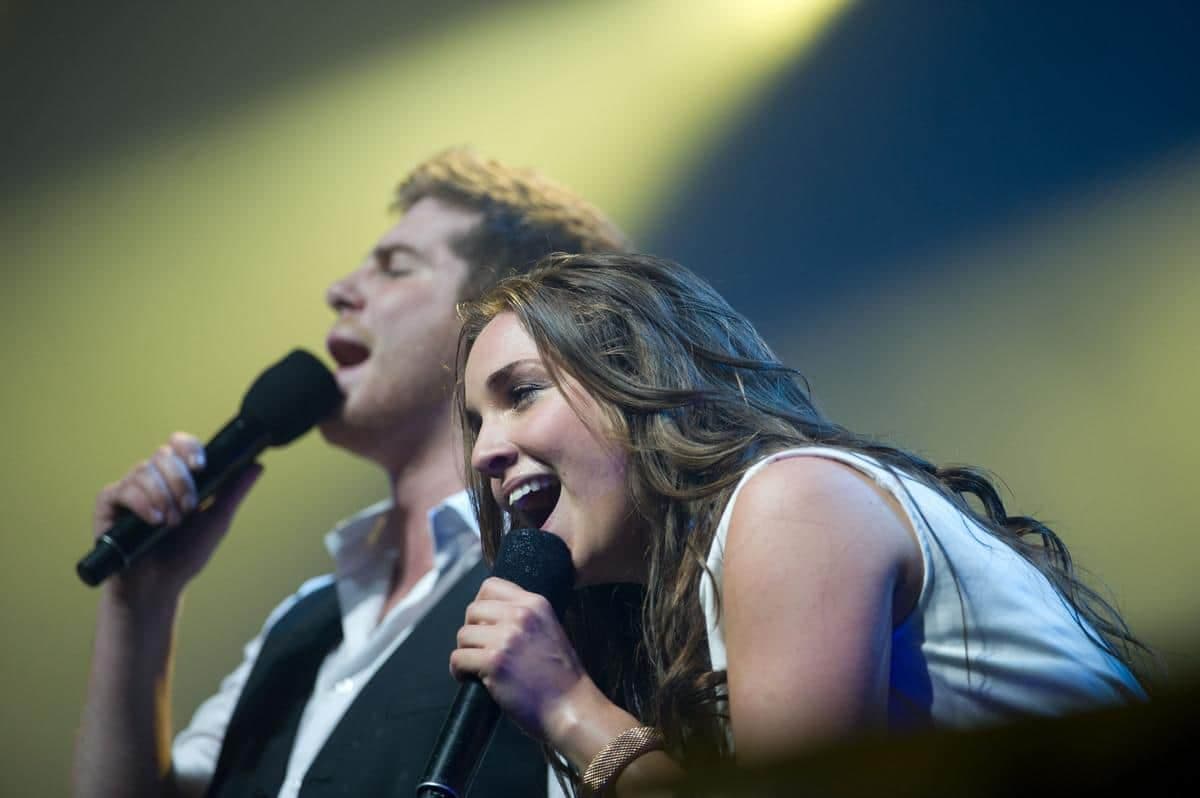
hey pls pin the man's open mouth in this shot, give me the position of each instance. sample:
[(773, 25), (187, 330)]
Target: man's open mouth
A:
[(347, 353)]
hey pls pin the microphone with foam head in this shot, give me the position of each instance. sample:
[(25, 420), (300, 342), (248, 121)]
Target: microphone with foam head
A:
[(285, 402), (534, 560)]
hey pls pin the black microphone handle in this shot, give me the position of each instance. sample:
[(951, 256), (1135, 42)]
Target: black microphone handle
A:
[(469, 727), (226, 455)]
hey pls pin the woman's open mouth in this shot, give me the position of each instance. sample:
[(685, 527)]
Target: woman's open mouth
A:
[(533, 502)]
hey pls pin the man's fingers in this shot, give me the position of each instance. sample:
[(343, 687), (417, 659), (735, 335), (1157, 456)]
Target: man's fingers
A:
[(188, 448), (170, 468)]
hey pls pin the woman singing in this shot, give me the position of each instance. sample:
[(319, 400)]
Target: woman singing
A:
[(801, 582)]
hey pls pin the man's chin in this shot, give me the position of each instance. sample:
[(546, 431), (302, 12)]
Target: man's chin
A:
[(342, 431), (336, 430)]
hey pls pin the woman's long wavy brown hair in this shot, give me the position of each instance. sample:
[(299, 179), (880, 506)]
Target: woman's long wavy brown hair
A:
[(699, 397)]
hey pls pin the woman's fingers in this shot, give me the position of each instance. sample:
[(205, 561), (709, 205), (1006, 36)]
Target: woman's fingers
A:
[(501, 589), (502, 622), (487, 611), (513, 643), (467, 662)]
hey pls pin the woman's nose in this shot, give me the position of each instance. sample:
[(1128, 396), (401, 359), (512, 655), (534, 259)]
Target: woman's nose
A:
[(493, 453)]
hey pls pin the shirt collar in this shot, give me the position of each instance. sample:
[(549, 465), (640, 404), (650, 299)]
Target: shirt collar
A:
[(453, 526), (451, 523)]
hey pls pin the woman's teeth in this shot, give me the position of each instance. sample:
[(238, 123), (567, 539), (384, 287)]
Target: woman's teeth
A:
[(541, 483), (533, 502)]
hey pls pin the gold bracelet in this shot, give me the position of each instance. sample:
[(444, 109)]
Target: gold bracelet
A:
[(616, 755)]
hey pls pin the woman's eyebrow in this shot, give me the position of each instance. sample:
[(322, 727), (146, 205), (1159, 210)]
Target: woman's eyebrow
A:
[(502, 375)]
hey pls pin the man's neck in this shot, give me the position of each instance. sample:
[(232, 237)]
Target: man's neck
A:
[(418, 484)]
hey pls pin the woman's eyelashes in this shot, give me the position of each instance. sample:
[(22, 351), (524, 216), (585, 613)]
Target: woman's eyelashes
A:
[(516, 396), (522, 394)]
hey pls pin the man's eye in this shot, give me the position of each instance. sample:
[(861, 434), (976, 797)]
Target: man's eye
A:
[(394, 264), (396, 270)]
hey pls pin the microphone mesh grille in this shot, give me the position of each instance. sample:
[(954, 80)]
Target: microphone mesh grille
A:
[(539, 562), (291, 396)]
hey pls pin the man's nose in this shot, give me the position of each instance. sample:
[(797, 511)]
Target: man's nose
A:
[(343, 294)]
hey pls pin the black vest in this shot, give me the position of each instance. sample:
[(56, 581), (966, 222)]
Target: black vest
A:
[(382, 744)]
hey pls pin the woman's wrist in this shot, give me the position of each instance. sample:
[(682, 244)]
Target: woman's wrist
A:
[(583, 722)]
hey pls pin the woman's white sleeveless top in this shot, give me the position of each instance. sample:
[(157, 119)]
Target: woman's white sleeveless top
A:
[(988, 639)]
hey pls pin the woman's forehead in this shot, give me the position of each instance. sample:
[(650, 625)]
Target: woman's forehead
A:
[(503, 341)]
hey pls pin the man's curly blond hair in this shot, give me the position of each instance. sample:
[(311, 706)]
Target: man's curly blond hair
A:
[(525, 215)]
